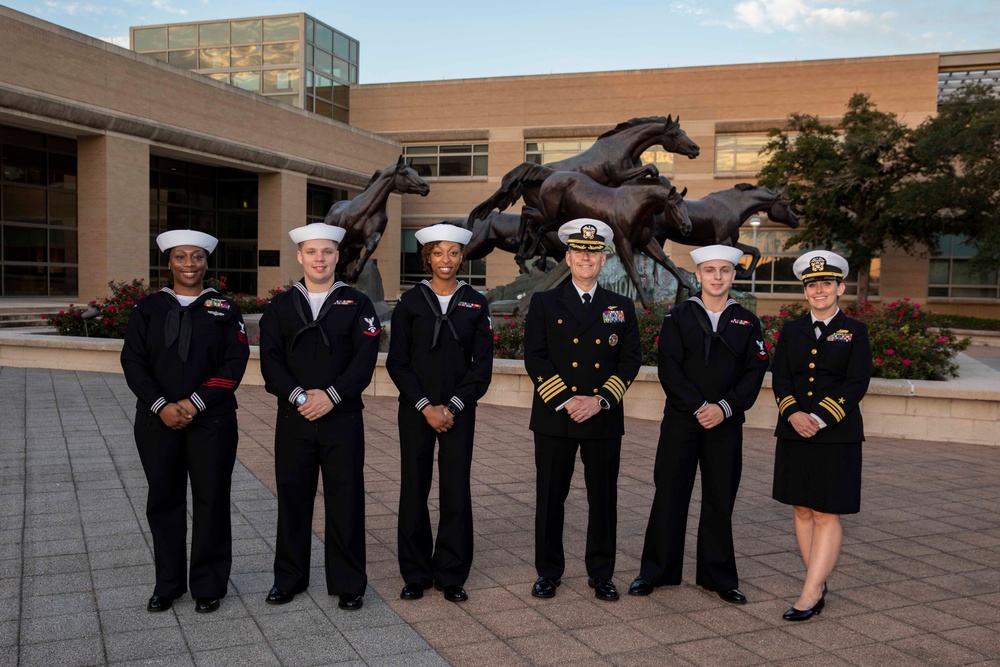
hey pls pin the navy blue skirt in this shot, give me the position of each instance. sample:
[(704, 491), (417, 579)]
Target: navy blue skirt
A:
[(825, 477)]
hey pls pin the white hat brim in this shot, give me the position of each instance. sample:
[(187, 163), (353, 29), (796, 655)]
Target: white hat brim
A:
[(317, 231)]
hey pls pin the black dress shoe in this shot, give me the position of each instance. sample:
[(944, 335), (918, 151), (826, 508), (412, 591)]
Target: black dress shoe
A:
[(278, 596), (159, 603), (206, 605), (794, 614), (351, 602), (733, 595), (640, 587), (452, 593), (545, 587), (411, 592), (604, 590)]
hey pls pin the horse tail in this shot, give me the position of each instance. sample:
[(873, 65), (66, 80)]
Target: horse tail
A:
[(511, 188)]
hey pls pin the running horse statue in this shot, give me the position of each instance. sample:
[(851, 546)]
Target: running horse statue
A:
[(612, 160), (498, 231), (364, 217), (628, 210), (716, 219)]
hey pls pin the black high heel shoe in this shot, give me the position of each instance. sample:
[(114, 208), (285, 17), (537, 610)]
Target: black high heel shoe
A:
[(794, 614)]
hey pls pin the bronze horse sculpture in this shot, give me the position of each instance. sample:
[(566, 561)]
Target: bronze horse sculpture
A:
[(628, 210), (716, 219), (364, 217), (498, 231), (613, 159)]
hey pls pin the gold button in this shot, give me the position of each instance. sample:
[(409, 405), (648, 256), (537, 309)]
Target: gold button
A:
[(597, 365), (812, 379), (573, 388), (813, 351), (595, 390), (598, 341), (575, 364), (812, 365), (809, 393), (576, 340), (559, 320)]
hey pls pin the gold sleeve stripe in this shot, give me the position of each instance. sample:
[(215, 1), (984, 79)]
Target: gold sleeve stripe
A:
[(785, 403), (833, 408), (616, 387), (554, 389), (552, 381)]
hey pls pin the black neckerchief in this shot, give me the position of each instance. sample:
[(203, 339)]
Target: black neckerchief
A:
[(177, 326), (435, 305), (701, 316), (308, 322)]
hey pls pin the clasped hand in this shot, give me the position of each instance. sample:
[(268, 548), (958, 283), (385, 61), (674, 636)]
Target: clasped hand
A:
[(803, 424), (438, 417), (582, 408), (317, 404), (178, 415)]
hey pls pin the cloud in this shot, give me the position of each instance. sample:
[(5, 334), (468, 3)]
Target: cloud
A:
[(81, 8), (117, 41), (794, 15), (165, 6)]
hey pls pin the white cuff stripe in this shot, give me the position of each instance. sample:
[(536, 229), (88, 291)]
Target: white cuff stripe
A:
[(458, 402), (725, 408), (298, 391), (422, 403), (198, 403), (334, 396), (158, 404)]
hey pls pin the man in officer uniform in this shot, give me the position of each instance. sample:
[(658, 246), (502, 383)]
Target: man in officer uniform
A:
[(318, 345), (582, 351), (711, 364)]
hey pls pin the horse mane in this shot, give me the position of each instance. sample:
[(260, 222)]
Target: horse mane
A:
[(743, 187), (633, 122), (375, 176)]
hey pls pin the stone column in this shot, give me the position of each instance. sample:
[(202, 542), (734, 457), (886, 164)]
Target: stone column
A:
[(281, 207), (113, 210)]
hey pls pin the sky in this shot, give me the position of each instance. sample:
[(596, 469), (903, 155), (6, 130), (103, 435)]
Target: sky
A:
[(418, 41)]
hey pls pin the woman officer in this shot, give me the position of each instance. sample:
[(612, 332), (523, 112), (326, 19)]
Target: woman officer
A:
[(822, 366), (185, 353), (441, 360)]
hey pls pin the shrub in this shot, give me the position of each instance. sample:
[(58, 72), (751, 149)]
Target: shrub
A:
[(113, 315), (508, 337), (902, 345)]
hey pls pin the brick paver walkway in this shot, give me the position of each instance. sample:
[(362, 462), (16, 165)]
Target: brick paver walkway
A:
[(918, 582)]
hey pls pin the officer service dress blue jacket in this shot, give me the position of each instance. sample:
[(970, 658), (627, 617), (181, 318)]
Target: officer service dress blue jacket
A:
[(440, 358), (335, 352), (568, 352), (698, 366), (827, 377), (159, 370)]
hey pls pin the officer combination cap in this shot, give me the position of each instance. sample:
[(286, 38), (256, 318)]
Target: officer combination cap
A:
[(711, 252), (443, 232), (317, 231), (586, 234), (179, 237), (820, 265)]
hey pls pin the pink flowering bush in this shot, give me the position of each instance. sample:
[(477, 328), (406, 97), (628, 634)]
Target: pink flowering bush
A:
[(113, 314), (907, 341)]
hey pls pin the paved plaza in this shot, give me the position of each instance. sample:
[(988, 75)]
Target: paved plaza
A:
[(918, 582)]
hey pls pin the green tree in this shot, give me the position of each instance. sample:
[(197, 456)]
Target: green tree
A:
[(956, 159), (844, 180)]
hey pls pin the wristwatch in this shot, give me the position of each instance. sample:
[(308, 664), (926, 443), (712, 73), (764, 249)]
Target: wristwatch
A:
[(301, 399)]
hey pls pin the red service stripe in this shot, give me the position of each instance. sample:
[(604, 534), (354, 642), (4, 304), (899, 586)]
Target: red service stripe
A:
[(220, 382)]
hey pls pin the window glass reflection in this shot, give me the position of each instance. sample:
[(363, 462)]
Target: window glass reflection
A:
[(214, 34), (340, 69), (149, 39), (341, 46), (214, 58), (281, 81), (323, 61), (184, 59), (25, 244), (324, 37), (247, 56), (245, 32), (62, 208), (247, 81), (281, 28), (219, 76), (21, 204), (280, 54), (62, 246), (23, 165), (183, 36)]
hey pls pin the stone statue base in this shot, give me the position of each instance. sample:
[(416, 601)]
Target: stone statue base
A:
[(370, 282)]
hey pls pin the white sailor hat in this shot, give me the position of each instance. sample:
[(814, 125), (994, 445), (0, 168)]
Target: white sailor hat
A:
[(443, 232), (820, 265), (586, 234), (710, 252), (178, 237), (317, 230)]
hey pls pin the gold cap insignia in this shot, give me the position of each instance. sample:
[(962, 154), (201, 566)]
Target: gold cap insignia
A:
[(817, 263), (589, 232)]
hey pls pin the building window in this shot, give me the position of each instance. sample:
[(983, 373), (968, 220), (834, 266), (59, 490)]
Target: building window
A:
[(951, 273), (774, 271), (411, 266), (319, 199), (738, 154), (215, 200), (38, 214), (545, 152), (449, 160)]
